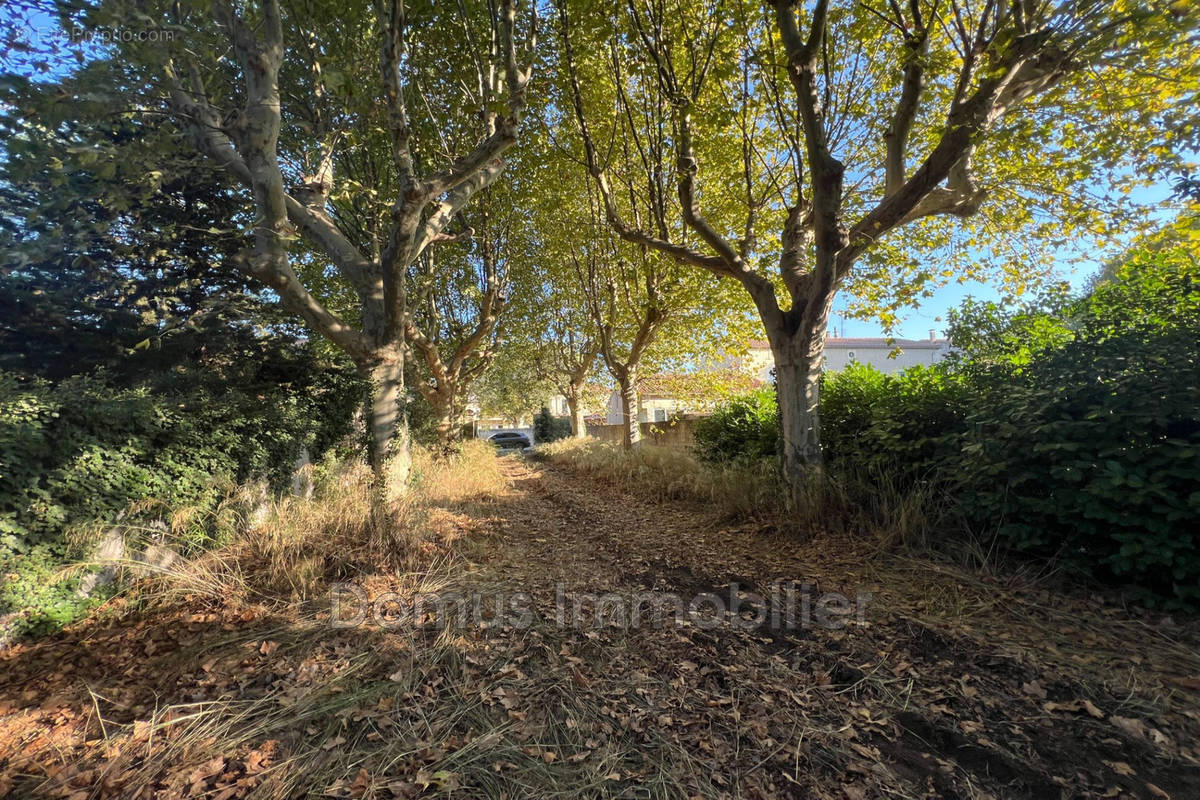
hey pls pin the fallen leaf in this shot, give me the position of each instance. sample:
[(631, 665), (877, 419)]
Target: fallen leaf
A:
[(1133, 727), (854, 791), (361, 782)]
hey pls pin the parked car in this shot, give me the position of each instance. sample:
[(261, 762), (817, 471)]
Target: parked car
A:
[(510, 440)]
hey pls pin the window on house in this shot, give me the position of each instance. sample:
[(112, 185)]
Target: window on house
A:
[(660, 415)]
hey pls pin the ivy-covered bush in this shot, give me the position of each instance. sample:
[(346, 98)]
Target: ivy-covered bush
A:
[(745, 429), (90, 447)]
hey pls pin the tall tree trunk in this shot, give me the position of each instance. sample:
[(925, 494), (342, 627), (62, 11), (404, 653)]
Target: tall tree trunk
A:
[(798, 355), (445, 431), (443, 407), (578, 426), (387, 422), (629, 418), (797, 381)]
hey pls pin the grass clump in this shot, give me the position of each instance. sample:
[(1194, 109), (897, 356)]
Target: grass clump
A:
[(875, 508), (290, 548)]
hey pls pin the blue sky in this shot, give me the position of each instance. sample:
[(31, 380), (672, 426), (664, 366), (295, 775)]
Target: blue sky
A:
[(931, 314)]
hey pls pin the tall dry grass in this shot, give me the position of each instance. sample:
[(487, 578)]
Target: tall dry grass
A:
[(873, 507), (289, 548)]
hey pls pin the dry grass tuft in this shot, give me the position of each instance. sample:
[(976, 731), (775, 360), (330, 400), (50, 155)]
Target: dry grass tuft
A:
[(875, 510), (278, 550), (471, 475), (671, 473)]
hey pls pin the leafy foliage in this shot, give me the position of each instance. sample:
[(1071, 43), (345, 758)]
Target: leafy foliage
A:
[(138, 375), (1093, 449), (744, 429), (878, 424), (1068, 429), (91, 448)]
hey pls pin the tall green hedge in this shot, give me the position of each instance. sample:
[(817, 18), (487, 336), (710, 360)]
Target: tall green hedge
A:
[(1067, 428), (87, 448), (1092, 449)]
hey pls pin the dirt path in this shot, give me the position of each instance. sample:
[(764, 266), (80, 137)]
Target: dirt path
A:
[(888, 705), (942, 685)]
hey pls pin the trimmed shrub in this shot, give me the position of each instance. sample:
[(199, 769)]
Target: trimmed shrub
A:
[(549, 428), (746, 429), (896, 425)]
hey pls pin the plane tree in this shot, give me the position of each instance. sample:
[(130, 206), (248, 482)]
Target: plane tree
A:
[(645, 311), (357, 134), (551, 330), (817, 145), (458, 299)]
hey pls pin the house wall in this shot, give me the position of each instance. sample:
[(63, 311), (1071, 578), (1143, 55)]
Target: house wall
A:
[(650, 409), (841, 356), (840, 353)]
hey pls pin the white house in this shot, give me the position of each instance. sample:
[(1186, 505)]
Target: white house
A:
[(885, 355)]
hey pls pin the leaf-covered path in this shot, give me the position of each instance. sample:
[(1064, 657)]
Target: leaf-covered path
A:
[(925, 692), (943, 684)]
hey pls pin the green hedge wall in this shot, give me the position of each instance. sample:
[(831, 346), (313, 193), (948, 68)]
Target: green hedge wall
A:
[(1068, 429), (88, 448)]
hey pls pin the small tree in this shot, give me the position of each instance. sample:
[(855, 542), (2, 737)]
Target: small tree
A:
[(549, 428)]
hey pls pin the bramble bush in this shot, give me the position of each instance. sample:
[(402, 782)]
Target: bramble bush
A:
[(1068, 428)]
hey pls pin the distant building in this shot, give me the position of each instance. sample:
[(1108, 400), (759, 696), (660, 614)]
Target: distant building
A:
[(885, 355), (664, 396)]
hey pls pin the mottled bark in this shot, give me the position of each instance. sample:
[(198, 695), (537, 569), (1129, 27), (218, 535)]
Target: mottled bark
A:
[(387, 423), (575, 406), (627, 387), (798, 354), (447, 431)]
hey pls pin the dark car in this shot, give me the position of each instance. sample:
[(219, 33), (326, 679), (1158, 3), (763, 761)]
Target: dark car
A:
[(506, 440)]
